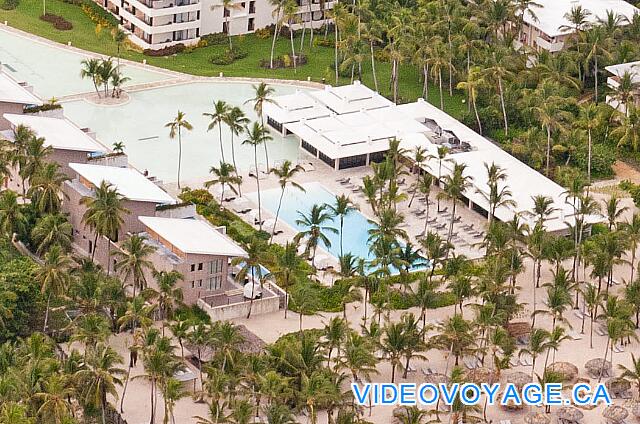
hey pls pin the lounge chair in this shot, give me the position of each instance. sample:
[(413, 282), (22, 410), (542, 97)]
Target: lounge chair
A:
[(426, 371), (446, 208), (419, 213), (341, 180), (345, 181), (457, 219), (468, 226)]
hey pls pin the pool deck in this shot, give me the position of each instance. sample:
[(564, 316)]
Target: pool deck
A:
[(317, 171)]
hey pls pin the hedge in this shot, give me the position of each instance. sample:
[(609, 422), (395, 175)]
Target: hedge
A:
[(58, 22)]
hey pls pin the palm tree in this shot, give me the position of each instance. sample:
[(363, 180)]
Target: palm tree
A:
[(54, 407), (227, 6), (45, 189), (278, 6), (173, 392), (455, 185), (138, 313), (54, 276), (225, 175), (288, 269), (536, 346), (341, 208), (315, 228), (263, 94), (100, 378), (632, 231), (218, 117), (169, 296), (628, 132), (631, 374), (472, 85), (595, 43), (175, 128), (237, 122), (394, 343), (132, 261), (118, 147), (52, 230), (614, 211), (255, 136), (90, 69), (103, 215), (119, 37), (589, 119), (251, 264), (410, 415), (497, 197), (12, 219), (285, 173)]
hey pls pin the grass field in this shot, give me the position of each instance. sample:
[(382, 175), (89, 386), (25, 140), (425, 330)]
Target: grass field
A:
[(320, 59)]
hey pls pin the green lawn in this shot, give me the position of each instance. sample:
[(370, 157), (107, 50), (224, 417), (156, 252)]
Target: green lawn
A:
[(83, 35)]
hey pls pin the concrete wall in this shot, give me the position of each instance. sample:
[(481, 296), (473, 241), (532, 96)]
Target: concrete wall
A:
[(238, 310), (65, 157), (14, 108)]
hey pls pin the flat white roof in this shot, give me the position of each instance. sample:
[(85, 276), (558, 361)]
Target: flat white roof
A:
[(293, 107), (129, 182), (523, 181), (350, 98), (11, 91), (59, 133), (551, 14), (193, 236), (633, 68)]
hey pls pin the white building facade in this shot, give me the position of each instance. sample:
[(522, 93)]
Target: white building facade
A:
[(155, 24)]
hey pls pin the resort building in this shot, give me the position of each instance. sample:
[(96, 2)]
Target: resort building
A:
[(351, 126), (197, 250), (155, 24), (69, 143), (141, 197), (546, 27), (15, 97), (613, 81)]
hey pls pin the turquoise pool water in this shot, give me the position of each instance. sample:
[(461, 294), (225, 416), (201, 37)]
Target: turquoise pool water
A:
[(356, 225), (52, 71), (140, 124)]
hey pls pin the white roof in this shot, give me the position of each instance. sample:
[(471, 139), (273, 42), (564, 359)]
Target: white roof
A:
[(350, 98), (11, 91), (551, 16), (193, 236), (633, 68), (129, 182), (523, 181), (58, 133), (293, 107)]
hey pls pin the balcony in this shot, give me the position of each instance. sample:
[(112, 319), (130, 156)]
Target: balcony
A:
[(165, 7), (157, 28), (548, 45)]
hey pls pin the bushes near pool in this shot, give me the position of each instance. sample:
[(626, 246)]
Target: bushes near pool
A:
[(58, 22)]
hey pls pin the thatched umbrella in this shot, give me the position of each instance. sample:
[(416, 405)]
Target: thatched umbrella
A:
[(481, 375), (536, 418), (617, 386), (519, 330), (635, 409), (436, 378), (615, 413), (567, 370), (598, 366), (569, 414), (519, 379)]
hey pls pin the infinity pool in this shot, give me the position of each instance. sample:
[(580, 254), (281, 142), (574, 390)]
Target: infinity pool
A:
[(140, 124), (356, 225), (54, 71)]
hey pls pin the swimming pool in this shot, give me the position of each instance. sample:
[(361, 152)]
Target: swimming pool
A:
[(140, 125), (33, 61), (356, 225)]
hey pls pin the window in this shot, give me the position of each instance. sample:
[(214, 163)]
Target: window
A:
[(215, 282), (309, 148), (225, 27), (252, 7), (251, 24), (326, 159), (353, 161), (193, 284), (200, 266), (193, 267), (90, 246), (226, 13), (215, 266), (199, 283)]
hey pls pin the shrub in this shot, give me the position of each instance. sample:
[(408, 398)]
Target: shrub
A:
[(602, 160), (97, 15), (632, 189), (228, 56), (165, 51), (323, 43), (264, 33), (58, 22), (329, 298), (9, 4), (216, 39), (45, 107), (284, 61)]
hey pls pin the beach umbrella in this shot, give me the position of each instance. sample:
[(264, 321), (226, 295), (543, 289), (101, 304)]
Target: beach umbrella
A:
[(635, 409), (536, 418), (615, 413), (519, 379), (598, 365), (436, 378), (569, 413), (617, 385), (481, 375), (567, 370)]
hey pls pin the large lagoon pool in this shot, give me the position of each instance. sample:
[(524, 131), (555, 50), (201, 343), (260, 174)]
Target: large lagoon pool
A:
[(356, 225), (54, 71), (140, 124)]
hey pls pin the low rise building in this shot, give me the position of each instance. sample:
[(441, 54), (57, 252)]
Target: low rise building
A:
[(15, 97), (155, 24), (630, 70), (546, 27)]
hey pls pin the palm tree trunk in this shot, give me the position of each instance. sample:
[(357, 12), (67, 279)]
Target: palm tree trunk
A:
[(235, 167), (273, 231), (341, 233), (335, 25), (253, 286), (475, 110), (255, 160), (504, 109), (179, 155), (273, 43), (373, 66), (440, 86), (221, 146), (46, 314), (548, 147), (266, 150), (124, 390), (293, 50)]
